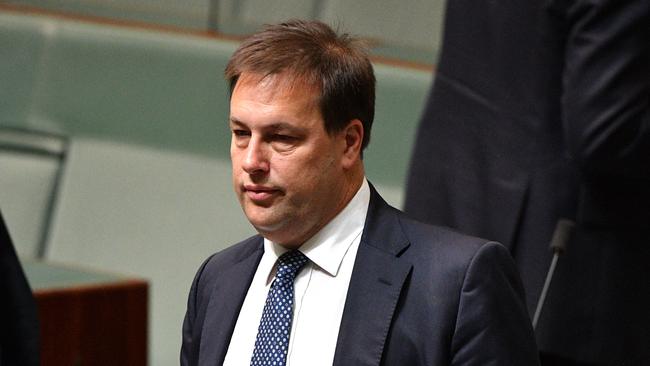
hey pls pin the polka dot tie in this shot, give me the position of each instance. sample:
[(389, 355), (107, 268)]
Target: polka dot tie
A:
[(272, 341)]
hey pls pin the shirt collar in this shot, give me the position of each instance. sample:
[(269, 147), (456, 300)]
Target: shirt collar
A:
[(327, 247)]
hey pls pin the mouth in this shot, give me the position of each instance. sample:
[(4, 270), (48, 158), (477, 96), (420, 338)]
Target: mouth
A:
[(260, 194)]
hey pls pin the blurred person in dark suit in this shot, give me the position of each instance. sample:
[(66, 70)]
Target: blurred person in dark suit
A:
[(19, 331), (540, 111)]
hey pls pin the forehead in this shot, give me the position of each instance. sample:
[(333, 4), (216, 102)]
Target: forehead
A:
[(277, 87), (276, 100)]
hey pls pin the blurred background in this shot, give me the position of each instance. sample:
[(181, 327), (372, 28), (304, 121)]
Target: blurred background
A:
[(114, 150)]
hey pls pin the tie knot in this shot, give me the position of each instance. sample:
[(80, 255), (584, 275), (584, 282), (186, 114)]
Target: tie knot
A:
[(289, 264)]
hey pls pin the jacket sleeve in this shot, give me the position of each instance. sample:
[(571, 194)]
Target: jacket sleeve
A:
[(492, 326), (19, 330), (192, 330), (606, 89)]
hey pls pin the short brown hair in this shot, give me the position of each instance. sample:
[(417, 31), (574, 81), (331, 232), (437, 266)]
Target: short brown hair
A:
[(310, 50)]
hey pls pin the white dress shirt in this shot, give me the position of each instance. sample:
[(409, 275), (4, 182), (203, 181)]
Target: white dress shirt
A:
[(320, 290)]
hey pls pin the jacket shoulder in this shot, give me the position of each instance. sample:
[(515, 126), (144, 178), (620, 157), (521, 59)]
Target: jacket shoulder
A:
[(225, 258), (441, 252), (440, 241)]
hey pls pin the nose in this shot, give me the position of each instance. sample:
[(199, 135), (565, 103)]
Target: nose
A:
[(255, 157)]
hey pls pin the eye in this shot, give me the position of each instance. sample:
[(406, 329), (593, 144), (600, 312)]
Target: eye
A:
[(284, 143), (283, 138), (241, 133)]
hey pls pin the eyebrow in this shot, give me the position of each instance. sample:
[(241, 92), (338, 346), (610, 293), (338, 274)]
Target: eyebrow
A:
[(234, 121), (273, 126)]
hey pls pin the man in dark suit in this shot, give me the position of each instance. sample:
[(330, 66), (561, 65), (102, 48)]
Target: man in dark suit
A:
[(337, 276), (19, 331), (540, 111)]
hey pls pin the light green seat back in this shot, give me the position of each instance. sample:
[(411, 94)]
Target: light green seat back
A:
[(142, 87), (248, 16), (30, 167), (400, 97), (400, 29), (22, 42), (191, 14)]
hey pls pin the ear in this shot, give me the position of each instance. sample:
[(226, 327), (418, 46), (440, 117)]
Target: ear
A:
[(352, 136)]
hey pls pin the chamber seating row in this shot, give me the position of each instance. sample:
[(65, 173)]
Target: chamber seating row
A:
[(405, 30), (128, 168)]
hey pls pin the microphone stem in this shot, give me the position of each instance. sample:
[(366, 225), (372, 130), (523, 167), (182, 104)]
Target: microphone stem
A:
[(547, 284)]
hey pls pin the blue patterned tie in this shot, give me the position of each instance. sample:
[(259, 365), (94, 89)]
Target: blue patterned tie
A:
[(272, 341)]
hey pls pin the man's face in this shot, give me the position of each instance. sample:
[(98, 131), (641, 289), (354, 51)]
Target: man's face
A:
[(287, 170)]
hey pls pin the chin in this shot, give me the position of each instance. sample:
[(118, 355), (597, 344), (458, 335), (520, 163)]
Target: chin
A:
[(271, 228), (263, 223)]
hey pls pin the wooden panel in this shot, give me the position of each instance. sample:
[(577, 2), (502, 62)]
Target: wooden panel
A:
[(98, 325)]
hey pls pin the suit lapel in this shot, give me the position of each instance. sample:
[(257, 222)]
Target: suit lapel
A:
[(377, 280), (225, 303)]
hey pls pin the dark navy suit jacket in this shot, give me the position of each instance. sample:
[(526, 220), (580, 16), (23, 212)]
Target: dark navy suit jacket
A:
[(419, 295)]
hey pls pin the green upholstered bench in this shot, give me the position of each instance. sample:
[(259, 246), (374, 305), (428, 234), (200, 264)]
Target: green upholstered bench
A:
[(161, 90)]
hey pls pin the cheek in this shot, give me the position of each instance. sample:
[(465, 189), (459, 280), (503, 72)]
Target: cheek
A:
[(288, 166), (233, 148), (304, 170), (235, 160), (233, 157), (317, 175), (233, 167)]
